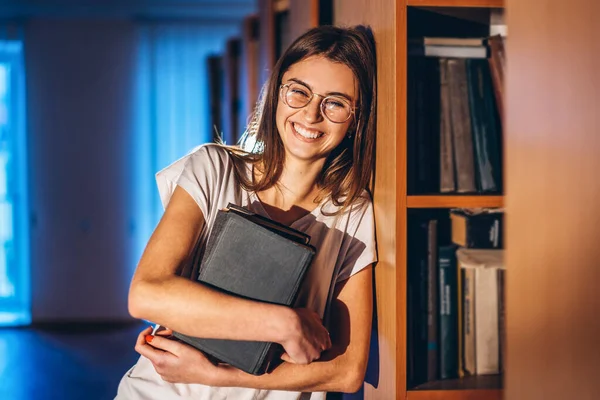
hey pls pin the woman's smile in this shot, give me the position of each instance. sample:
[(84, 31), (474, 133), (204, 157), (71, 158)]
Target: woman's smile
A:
[(304, 133)]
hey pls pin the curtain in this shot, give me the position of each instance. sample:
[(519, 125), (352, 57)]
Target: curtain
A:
[(172, 105)]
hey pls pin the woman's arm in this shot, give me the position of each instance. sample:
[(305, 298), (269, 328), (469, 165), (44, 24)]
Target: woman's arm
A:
[(341, 369), (159, 295)]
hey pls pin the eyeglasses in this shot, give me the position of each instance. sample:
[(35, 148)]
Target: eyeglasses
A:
[(335, 108)]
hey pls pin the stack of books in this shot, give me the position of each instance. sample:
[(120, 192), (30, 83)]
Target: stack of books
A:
[(455, 294), (253, 257)]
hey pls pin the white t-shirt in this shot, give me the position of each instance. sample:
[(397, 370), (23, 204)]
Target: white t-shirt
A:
[(345, 245)]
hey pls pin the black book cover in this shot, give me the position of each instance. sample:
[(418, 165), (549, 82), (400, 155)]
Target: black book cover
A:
[(448, 286), (251, 256)]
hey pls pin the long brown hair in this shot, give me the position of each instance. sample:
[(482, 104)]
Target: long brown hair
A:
[(349, 169)]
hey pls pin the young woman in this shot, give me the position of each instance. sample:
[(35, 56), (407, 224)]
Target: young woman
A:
[(310, 168)]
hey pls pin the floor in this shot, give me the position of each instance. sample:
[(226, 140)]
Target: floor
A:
[(65, 362)]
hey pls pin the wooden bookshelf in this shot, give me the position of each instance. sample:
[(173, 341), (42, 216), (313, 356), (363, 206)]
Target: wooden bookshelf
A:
[(465, 394), (454, 201), (485, 387), (456, 3), (390, 21)]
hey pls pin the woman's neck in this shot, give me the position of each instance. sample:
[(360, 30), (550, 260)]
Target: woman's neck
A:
[(296, 191)]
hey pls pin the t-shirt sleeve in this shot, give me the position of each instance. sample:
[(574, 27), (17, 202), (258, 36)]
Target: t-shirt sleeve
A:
[(197, 173), (361, 248)]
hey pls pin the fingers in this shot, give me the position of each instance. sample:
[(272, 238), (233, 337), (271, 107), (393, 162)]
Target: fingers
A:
[(163, 331), (146, 350), (166, 332), (165, 344)]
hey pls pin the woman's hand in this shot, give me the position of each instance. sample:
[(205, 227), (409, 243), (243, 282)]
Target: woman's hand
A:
[(307, 339), (174, 361)]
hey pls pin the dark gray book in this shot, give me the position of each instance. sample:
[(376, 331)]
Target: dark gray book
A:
[(448, 297), (253, 257)]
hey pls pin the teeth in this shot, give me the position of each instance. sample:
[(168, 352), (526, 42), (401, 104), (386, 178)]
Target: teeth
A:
[(309, 134)]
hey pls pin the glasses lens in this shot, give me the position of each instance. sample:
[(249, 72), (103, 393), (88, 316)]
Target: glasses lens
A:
[(336, 109), (297, 95)]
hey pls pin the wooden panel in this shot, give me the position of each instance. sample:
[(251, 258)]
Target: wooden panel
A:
[(475, 383), (454, 395), (304, 15), (390, 192), (453, 201), (553, 222), (457, 3)]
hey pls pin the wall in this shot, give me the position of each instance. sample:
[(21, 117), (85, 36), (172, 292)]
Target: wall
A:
[(79, 89)]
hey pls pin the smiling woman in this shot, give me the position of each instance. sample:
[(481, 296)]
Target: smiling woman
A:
[(311, 168)]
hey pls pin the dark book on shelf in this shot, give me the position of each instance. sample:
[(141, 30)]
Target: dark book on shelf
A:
[(253, 257), (447, 174), (423, 129), (417, 288), (448, 299), (461, 126), (478, 228), (485, 125), (497, 63), (433, 366)]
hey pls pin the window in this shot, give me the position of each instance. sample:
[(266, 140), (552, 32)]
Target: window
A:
[(14, 235)]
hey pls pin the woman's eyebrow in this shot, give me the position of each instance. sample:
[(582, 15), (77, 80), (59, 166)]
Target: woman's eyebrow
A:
[(346, 96)]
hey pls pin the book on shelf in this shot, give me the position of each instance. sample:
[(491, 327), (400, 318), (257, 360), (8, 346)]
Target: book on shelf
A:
[(497, 61), (482, 298), (253, 257), (480, 228), (455, 294), (448, 324), (447, 41), (454, 132), (448, 51)]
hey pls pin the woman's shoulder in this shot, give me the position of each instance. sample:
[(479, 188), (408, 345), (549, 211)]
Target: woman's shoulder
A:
[(211, 151)]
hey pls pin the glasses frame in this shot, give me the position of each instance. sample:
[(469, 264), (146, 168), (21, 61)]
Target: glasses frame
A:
[(283, 90)]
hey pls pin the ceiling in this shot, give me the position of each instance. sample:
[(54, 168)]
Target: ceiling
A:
[(194, 9)]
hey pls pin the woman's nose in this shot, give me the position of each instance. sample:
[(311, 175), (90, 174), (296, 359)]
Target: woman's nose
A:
[(312, 111)]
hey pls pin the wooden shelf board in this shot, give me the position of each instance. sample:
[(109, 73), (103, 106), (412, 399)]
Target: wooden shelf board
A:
[(456, 3), (475, 394), (453, 201), (484, 387)]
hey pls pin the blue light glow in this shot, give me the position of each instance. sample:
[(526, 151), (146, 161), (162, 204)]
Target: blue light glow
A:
[(172, 109), (14, 232)]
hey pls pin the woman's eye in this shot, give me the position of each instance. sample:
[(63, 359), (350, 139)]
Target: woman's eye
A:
[(299, 92), (334, 104)]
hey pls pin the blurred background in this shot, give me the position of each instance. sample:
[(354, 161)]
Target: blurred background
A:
[(96, 96)]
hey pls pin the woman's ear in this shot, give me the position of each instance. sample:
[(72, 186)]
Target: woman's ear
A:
[(352, 129)]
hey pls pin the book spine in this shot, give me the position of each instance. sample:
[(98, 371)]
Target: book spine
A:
[(469, 299), (486, 321), (432, 303), (461, 126), (448, 287), (447, 181), (484, 177)]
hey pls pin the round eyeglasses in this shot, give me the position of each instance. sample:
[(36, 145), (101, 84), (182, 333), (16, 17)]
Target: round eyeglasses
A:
[(335, 108)]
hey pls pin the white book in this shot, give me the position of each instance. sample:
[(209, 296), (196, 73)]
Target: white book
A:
[(485, 264), (450, 51)]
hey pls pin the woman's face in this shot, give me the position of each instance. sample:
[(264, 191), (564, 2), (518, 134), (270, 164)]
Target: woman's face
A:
[(305, 132)]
